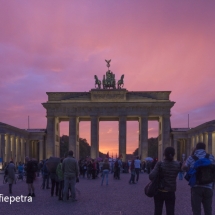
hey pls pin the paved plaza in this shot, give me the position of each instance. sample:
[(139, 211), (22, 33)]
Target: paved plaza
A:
[(93, 199)]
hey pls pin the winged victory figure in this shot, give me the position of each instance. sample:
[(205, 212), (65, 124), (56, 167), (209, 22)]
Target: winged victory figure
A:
[(108, 63)]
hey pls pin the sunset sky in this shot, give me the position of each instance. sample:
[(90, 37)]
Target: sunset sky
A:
[(58, 46)]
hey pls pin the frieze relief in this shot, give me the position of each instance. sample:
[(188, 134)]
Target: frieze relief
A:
[(68, 96), (108, 95), (105, 110), (161, 95)]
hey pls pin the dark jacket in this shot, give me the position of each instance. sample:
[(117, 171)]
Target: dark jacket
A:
[(70, 167), (106, 166), (170, 170)]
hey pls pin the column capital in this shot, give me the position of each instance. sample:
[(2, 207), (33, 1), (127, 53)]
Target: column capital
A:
[(166, 115), (50, 116), (94, 116), (143, 116), (72, 116)]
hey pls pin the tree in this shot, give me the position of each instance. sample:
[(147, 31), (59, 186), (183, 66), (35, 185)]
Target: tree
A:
[(152, 148), (84, 147), (64, 145)]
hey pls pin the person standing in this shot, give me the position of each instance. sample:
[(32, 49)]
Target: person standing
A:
[(45, 174), (71, 173), (200, 194), (137, 163), (55, 183), (30, 175), (20, 170), (119, 167), (105, 170), (168, 169), (11, 175), (94, 169), (132, 170), (59, 172)]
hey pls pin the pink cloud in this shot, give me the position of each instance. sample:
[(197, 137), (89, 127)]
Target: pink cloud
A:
[(47, 46)]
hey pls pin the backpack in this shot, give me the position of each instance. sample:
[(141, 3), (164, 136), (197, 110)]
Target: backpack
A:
[(151, 189), (203, 171)]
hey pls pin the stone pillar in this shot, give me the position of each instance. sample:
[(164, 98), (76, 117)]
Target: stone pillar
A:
[(8, 148), (57, 137), (18, 150), (94, 137), (22, 150), (143, 137), (30, 149), (175, 145), (50, 141), (205, 141), (41, 157), (73, 134), (164, 137), (2, 147), (188, 151), (77, 140), (13, 147), (213, 143), (196, 139), (122, 137), (201, 137), (35, 147), (210, 142), (27, 148)]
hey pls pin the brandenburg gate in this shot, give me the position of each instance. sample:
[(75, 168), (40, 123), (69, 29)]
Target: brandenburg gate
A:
[(107, 104)]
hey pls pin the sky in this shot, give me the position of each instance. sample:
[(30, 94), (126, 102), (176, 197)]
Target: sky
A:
[(58, 46)]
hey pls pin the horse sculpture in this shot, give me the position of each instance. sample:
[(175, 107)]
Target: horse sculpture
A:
[(120, 83), (97, 82)]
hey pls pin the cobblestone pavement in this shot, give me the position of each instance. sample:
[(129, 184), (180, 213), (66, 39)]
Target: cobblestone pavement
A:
[(93, 199)]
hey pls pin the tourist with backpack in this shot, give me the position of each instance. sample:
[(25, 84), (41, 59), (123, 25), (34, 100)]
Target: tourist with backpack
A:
[(200, 167), (167, 171)]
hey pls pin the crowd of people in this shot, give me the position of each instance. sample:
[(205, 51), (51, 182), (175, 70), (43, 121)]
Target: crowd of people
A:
[(64, 173)]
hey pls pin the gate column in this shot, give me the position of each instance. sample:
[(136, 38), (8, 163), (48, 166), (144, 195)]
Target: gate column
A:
[(164, 135), (73, 135), (22, 150), (50, 141), (13, 147), (210, 142), (143, 137), (18, 149), (94, 137), (122, 137), (2, 147), (41, 149), (175, 145)]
